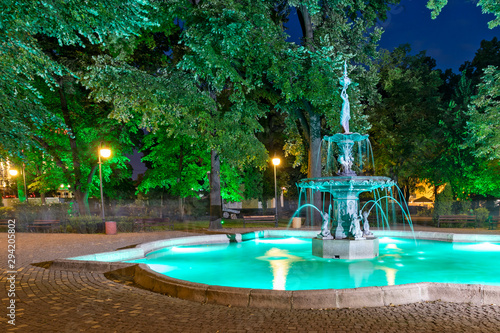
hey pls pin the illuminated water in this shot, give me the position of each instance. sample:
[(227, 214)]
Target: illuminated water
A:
[(287, 264)]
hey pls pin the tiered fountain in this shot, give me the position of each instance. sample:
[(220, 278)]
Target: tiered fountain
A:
[(345, 231)]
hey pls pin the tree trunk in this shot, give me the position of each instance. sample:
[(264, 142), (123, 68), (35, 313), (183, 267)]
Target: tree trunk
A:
[(215, 194), (79, 195), (181, 208), (42, 198)]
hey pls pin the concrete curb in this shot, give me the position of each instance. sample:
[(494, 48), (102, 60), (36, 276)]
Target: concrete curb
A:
[(317, 299), (283, 299)]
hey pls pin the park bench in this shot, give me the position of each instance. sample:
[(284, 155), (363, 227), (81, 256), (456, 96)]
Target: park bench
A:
[(149, 222), (260, 219), (467, 219), (4, 223), (43, 225), (493, 222)]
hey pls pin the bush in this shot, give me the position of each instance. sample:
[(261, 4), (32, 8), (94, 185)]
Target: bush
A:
[(444, 202), (425, 211), (6, 212), (85, 224), (481, 215), (26, 213), (123, 223)]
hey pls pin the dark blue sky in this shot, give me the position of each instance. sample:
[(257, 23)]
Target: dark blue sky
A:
[(451, 39)]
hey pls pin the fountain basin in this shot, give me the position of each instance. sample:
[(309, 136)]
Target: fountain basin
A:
[(477, 293)]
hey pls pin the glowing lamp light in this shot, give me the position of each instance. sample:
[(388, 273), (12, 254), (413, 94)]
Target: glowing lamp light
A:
[(13, 172), (105, 152), (276, 161), (62, 185)]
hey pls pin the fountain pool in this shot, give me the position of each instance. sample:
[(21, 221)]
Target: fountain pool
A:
[(276, 269), (287, 264)]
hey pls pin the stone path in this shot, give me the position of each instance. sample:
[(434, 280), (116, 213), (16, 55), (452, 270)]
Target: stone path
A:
[(61, 301)]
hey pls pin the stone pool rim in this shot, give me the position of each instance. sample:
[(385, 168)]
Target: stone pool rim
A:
[(145, 277)]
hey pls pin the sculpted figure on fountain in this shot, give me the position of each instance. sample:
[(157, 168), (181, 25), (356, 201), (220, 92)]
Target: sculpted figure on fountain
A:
[(366, 225), (355, 228), (325, 228)]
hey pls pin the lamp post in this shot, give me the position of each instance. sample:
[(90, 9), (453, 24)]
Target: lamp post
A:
[(13, 173), (104, 152), (276, 161), (24, 182)]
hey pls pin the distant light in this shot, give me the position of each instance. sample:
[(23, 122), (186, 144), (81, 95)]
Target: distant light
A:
[(276, 161), (13, 172), (105, 152), (69, 186), (221, 222), (62, 185)]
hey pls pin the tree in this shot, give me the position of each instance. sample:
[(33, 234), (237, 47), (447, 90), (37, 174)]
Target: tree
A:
[(404, 132), (208, 87), (23, 60), (333, 31), (179, 165), (484, 112)]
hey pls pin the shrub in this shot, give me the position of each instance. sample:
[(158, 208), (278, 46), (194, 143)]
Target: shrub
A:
[(6, 212), (444, 202), (481, 215), (85, 224)]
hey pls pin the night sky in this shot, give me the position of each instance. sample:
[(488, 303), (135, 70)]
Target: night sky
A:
[(452, 38)]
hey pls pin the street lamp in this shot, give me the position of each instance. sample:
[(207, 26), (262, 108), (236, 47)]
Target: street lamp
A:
[(276, 161), (14, 173), (104, 152)]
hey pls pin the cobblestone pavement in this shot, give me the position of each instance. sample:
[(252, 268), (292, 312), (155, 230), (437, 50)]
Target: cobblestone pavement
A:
[(63, 301)]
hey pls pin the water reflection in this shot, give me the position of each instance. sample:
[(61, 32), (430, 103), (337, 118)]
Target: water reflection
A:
[(280, 261)]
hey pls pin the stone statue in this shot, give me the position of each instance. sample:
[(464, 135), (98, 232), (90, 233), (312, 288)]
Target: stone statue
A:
[(345, 115), (325, 230), (355, 228), (366, 226)]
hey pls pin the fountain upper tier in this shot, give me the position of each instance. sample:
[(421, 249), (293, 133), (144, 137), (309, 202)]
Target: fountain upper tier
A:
[(346, 184)]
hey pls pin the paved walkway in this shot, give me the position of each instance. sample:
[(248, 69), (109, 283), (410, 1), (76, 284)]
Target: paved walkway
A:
[(60, 301)]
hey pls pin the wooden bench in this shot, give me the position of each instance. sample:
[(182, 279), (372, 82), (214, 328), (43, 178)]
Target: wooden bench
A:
[(492, 222), (457, 219), (43, 225), (260, 219), (4, 223), (152, 222)]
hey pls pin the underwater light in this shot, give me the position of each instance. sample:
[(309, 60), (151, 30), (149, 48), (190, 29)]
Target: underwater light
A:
[(486, 246), (290, 240)]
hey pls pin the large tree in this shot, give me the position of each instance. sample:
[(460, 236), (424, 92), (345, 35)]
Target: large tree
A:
[(332, 32), (208, 85), (404, 132)]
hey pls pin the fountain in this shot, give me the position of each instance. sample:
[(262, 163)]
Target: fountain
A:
[(345, 239)]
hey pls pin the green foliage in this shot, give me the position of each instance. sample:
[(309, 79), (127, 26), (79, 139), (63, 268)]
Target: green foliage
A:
[(484, 116), (404, 132), (23, 60), (6, 212), (444, 202), (482, 214), (27, 212), (85, 224)]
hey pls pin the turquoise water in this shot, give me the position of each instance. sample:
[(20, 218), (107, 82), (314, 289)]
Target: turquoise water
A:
[(287, 264)]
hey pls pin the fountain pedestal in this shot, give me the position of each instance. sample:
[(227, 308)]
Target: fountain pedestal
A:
[(345, 248)]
